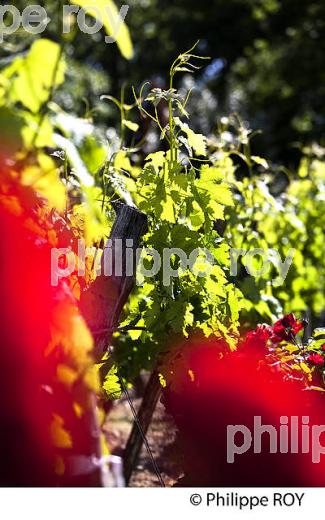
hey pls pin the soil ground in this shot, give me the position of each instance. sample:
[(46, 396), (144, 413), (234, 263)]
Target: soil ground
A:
[(161, 436)]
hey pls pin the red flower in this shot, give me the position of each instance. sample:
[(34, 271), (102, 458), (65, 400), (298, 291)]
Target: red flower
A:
[(323, 346), (316, 359), (286, 329), (258, 338)]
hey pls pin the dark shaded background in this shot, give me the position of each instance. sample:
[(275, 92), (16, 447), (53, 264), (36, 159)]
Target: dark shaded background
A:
[(267, 63)]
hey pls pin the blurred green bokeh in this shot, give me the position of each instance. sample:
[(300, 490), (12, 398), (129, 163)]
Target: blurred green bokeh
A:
[(267, 63)]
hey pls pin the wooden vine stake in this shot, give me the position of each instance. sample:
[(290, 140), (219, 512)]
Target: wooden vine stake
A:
[(103, 302)]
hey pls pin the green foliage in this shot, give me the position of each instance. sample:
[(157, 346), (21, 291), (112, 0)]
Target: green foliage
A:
[(33, 76), (291, 221), (115, 27), (28, 82), (208, 193), (111, 384), (184, 200)]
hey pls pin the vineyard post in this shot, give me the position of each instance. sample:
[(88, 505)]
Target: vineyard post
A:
[(103, 302)]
